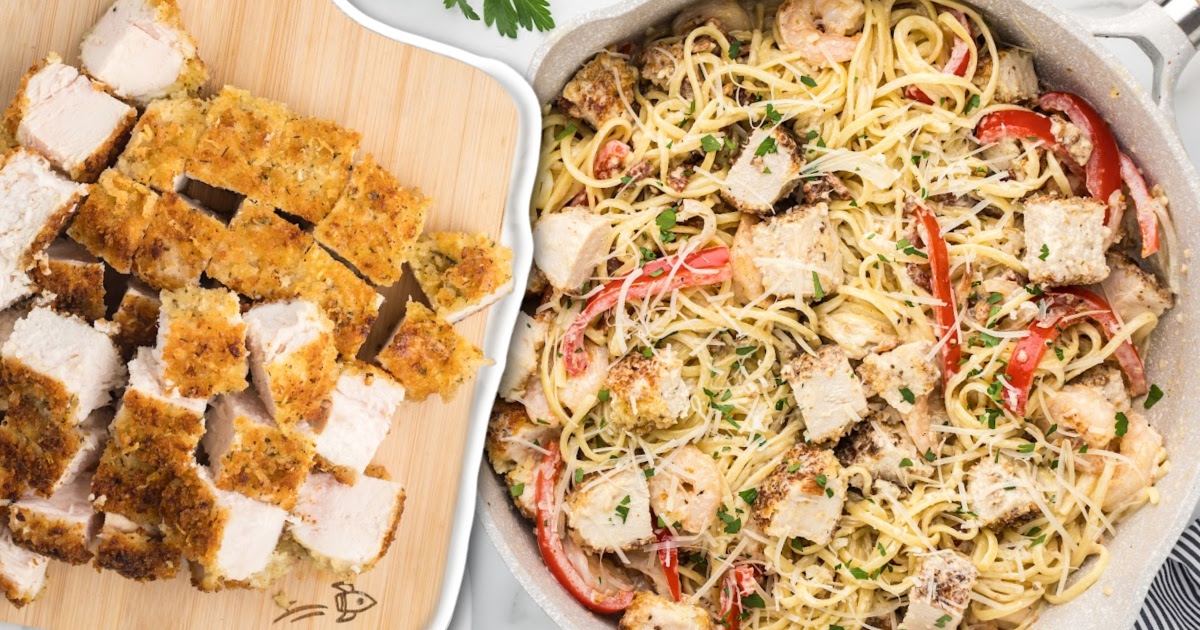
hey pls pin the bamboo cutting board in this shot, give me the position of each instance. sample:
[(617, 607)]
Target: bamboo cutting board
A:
[(439, 125)]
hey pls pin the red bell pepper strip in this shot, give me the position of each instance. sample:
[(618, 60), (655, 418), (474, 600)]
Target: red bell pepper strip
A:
[(1104, 167), (668, 557), (610, 158), (551, 545), (960, 60), (1147, 205), (739, 582), (945, 313), (1018, 124), (655, 278), (1063, 304)]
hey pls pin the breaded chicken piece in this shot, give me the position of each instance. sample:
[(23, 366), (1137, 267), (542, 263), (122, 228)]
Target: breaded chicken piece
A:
[(293, 359), (125, 485), (137, 319), (61, 527), (803, 497), (361, 410), (136, 552), (153, 424), (113, 220), (140, 49), (252, 455), (347, 529), (461, 274), (611, 512), (600, 90), (202, 342), (259, 253), (41, 452), (232, 536), (163, 141), (35, 204), (233, 152), (999, 495), (651, 612), (375, 223), (177, 245), (648, 393), (941, 591), (73, 280), (344, 297), (285, 557), (827, 392), (308, 167), (69, 119), (512, 436), (22, 572), (767, 170), (427, 356)]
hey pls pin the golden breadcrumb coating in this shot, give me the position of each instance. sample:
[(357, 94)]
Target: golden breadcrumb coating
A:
[(77, 287), (137, 319), (113, 220), (178, 244), (300, 382), (427, 356), (194, 522), (266, 462), (163, 141), (346, 299), (49, 537), (45, 444), (194, 74), (138, 555), (52, 397), (234, 150), (203, 342), (127, 486), (156, 432), (461, 273), (259, 253), (375, 223), (309, 166)]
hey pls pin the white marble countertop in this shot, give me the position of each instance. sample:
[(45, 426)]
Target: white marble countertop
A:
[(491, 596)]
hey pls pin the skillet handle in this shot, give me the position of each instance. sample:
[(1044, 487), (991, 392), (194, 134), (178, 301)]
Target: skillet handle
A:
[(1168, 31)]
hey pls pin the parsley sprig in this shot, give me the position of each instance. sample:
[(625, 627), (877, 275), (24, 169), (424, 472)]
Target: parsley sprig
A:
[(509, 15)]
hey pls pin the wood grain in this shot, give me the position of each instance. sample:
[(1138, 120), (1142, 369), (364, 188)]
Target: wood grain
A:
[(441, 126)]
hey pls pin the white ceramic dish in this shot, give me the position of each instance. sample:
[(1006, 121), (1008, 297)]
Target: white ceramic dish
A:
[(503, 315), (1069, 57)]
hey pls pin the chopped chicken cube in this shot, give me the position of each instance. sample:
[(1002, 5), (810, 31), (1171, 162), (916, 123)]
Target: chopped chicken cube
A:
[(113, 220), (858, 334), (803, 497), (1016, 77), (283, 559), (1133, 292), (461, 274), (829, 395), (140, 49), (8, 320), (361, 410), (344, 297), (686, 489), (1072, 139), (524, 355), (310, 163), (232, 536), (999, 495), (794, 254), (252, 455), (766, 171), (884, 449), (61, 527), (347, 528), (202, 342), (292, 358), (22, 572), (611, 511), (163, 141), (569, 244), (65, 364), (942, 583), (901, 376), (234, 149), (375, 224), (35, 204), (137, 317), (427, 356), (69, 119), (651, 612), (648, 393), (1065, 240), (73, 280), (602, 90), (580, 393), (1087, 407), (514, 438), (177, 244), (125, 485), (154, 424), (661, 62), (41, 452), (259, 253), (134, 551)]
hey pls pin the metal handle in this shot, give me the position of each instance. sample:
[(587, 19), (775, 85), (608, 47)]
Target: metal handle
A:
[(1168, 31)]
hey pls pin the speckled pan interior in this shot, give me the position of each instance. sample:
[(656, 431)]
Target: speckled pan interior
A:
[(1068, 57)]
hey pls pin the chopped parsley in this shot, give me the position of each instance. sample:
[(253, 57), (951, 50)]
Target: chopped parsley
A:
[(517, 490), (794, 467), (1153, 397), (773, 114), (735, 48), (768, 146), (1122, 424), (809, 81), (858, 573), (1053, 428), (822, 480), (732, 525), (929, 456), (990, 341), (1027, 448), (749, 495), (743, 351), (1037, 541), (1045, 252), (603, 395), (567, 132), (656, 273), (625, 179), (882, 549), (578, 476), (971, 104), (710, 144), (944, 619), (906, 463), (811, 135), (666, 221), (649, 472), (818, 292), (753, 600), (907, 395), (623, 509), (994, 298), (648, 255), (1058, 352)]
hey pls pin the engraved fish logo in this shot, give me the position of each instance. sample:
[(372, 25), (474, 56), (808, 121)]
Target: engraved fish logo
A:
[(351, 602)]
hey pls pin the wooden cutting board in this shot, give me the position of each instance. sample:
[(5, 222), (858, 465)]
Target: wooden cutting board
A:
[(439, 125)]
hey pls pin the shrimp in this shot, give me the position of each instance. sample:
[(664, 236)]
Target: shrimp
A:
[(1142, 445), (824, 32), (688, 490), (610, 159)]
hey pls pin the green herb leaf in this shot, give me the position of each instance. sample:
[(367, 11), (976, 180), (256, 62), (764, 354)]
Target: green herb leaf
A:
[(773, 114), (768, 146), (745, 350), (859, 574), (1045, 252), (517, 490), (906, 463), (667, 220), (509, 15), (882, 550), (753, 600), (809, 81), (567, 131), (466, 9), (929, 456), (735, 48), (603, 395), (944, 619), (1122, 424), (818, 292), (749, 495), (1026, 448), (972, 103), (907, 395), (1037, 541), (1153, 397), (578, 476), (710, 144), (794, 467), (822, 480)]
